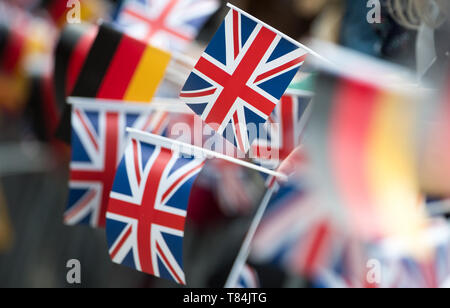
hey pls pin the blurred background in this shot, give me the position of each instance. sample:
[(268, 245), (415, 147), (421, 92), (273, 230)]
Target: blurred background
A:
[(35, 245)]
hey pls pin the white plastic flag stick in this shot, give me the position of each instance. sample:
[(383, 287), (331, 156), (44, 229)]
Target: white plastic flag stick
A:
[(157, 104), (188, 149), (312, 52), (244, 252), (184, 59)]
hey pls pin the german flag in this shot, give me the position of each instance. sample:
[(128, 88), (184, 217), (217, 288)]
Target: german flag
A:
[(362, 144), (12, 48), (70, 54), (118, 67)]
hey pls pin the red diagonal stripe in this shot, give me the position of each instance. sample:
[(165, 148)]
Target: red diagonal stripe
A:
[(87, 129), (137, 170), (236, 85), (177, 182), (122, 241), (236, 30), (77, 209), (213, 72), (166, 261), (281, 68), (198, 94)]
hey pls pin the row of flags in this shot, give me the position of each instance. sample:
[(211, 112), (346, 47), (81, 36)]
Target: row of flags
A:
[(120, 178), (351, 142)]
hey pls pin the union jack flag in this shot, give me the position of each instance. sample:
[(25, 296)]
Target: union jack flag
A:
[(248, 279), (241, 76), (283, 131), (147, 209), (168, 24), (299, 232), (98, 139)]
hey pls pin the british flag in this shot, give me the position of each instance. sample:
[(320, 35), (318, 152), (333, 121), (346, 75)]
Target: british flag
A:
[(147, 209), (241, 77), (168, 24), (248, 279), (299, 232), (283, 131), (98, 139)]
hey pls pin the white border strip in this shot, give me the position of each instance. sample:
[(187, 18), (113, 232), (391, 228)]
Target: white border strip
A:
[(299, 93), (186, 60), (189, 149), (279, 33), (169, 105)]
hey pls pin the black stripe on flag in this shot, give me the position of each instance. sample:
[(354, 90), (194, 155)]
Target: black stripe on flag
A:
[(70, 37), (97, 62)]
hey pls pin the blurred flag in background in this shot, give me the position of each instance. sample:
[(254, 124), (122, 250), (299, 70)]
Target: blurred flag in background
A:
[(168, 24)]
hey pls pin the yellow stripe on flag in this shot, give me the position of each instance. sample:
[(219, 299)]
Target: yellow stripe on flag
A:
[(392, 166), (148, 75)]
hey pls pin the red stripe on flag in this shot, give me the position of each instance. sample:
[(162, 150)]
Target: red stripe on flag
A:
[(177, 182), (198, 94), (136, 162), (13, 52), (318, 245), (281, 68), (78, 58), (74, 211), (350, 130), (236, 33), (86, 127), (122, 69), (161, 253), (122, 241)]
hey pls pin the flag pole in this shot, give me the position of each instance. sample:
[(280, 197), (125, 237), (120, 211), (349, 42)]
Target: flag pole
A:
[(244, 251), (188, 149), (157, 104)]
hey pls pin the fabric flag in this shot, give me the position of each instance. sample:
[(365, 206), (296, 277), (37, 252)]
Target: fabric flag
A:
[(71, 51), (241, 77), (5, 225), (283, 131), (363, 156), (302, 236), (118, 67), (98, 140), (147, 209), (248, 279), (168, 24)]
